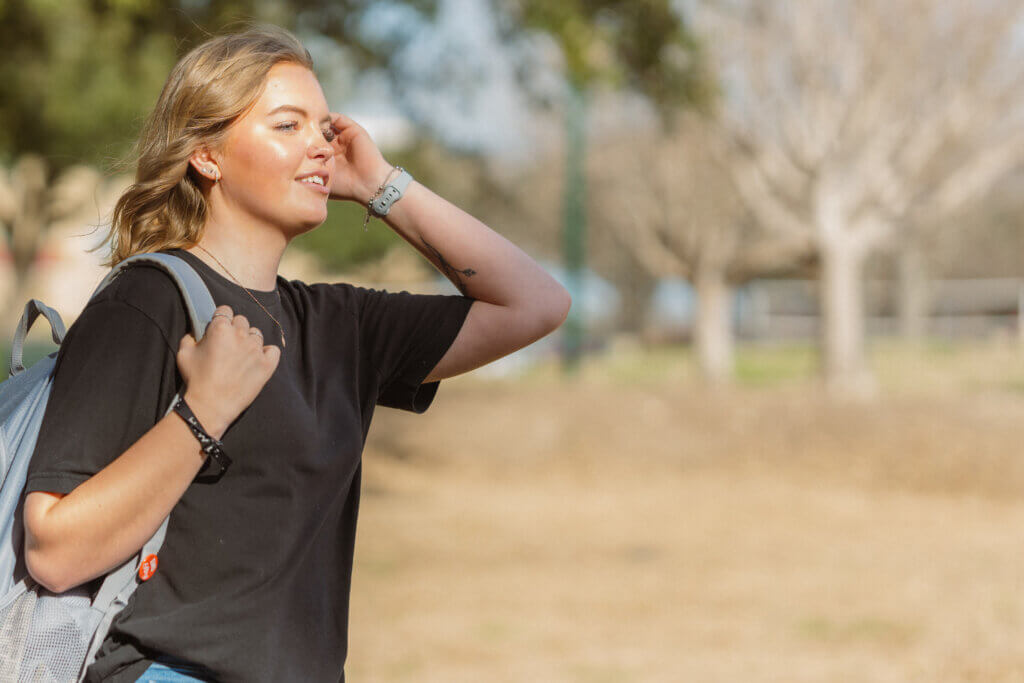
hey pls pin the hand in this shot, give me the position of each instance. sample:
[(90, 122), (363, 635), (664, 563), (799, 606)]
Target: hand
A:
[(226, 370), (359, 166)]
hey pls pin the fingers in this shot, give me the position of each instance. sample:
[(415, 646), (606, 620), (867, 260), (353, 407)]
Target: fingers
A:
[(223, 316), (341, 118), (347, 128), (271, 356), (240, 323), (224, 319)]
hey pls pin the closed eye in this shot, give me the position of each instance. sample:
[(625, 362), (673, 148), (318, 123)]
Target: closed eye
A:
[(328, 133)]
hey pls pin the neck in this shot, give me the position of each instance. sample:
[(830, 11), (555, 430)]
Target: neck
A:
[(248, 257)]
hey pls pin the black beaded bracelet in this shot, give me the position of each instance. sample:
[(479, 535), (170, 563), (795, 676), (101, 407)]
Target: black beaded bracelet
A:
[(211, 446)]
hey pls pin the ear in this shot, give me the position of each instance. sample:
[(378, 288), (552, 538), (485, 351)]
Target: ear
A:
[(205, 165)]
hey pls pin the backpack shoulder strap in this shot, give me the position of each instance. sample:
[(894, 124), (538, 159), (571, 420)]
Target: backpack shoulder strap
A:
[(198, 302), (119, 585)]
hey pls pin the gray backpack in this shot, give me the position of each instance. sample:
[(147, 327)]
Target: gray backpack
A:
[(44, 636)]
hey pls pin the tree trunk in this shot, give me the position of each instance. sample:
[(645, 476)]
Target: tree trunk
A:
[(636, 288), (913, 292), (714, 335), (842, 302)]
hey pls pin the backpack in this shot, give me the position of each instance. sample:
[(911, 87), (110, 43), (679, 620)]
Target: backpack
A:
[(46, 636)]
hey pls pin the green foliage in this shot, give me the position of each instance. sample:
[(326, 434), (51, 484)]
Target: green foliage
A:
[(79, 76), (644, 45), (341, 242)]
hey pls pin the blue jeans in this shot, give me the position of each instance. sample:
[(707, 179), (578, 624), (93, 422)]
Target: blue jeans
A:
[(172, 671)]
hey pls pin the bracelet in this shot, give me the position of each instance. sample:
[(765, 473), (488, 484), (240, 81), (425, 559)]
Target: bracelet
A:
[(387, 194), (213, 448), (392, 193), (380, 189)]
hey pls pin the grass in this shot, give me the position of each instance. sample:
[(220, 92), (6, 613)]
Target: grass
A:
[(769, 366), (933, 367), (32, 353), (580, 531)]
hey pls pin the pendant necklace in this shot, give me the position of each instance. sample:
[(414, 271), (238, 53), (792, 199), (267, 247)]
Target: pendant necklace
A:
[(280, 329)]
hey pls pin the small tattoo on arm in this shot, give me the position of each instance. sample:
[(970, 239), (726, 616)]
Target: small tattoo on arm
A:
[(451, 272)]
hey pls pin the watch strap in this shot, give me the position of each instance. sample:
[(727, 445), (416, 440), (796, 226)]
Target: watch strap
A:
[(392, 192)]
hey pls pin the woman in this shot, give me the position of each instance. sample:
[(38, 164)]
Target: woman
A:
[(240, 155)]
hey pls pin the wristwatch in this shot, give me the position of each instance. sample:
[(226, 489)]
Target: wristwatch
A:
[(393, 191)]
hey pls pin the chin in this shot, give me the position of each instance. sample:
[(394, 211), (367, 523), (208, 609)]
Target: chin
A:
[(308, 226)]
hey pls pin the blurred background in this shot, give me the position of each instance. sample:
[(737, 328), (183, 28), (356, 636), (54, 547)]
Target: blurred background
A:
[(778, 437)]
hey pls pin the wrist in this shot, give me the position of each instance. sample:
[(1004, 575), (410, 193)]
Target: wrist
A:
[(383, 173), (214, 423), (210, 445)]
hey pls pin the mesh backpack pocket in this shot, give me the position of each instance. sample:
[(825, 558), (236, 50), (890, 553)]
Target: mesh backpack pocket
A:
[(45, 637)]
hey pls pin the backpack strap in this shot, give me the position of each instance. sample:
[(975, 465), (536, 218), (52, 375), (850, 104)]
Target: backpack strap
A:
[(198, 302), (119, 585), (33, 309), (115, 591)]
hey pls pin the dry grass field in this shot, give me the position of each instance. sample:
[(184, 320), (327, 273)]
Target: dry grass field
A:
[(629, 525)]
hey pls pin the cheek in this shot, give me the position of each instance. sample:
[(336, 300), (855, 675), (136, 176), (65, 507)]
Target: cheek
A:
[(265, 160)]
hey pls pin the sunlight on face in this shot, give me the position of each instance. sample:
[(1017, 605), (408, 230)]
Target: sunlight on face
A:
[(282, 137)]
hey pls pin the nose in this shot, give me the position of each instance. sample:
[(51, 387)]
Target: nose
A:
[(319, 148)]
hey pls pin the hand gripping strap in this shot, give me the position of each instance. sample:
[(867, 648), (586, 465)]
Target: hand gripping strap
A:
[(33, 309)]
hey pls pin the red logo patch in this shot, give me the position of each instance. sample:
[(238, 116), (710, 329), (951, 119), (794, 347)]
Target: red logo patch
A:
[(147, 568)]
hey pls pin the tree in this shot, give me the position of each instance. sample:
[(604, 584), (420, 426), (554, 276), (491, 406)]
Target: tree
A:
[(855, 119), (669, 198), (644, 46), (79, 76), (29, 204)]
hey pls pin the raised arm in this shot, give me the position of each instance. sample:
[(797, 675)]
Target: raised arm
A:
[(516, 301)]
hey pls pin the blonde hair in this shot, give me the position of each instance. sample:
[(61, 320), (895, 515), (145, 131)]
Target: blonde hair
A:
[(208, 89)]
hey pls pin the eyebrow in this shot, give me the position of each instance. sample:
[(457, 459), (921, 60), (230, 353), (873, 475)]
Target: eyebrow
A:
[(297, 110)]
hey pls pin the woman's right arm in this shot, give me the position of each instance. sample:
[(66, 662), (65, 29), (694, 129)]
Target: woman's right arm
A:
[(73, 538)]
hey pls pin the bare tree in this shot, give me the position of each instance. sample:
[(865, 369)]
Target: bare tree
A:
[(857, 118), (668, 196), (30, 203)]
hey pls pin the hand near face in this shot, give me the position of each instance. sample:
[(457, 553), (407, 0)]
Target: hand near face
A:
[(359, 167)]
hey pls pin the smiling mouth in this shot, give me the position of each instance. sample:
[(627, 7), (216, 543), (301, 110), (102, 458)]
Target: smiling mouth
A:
[(313, 184)]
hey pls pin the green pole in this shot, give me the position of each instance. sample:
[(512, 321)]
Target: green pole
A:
[(575, 227)]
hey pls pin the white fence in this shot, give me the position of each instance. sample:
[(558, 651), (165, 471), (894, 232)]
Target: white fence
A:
[(789, 309)]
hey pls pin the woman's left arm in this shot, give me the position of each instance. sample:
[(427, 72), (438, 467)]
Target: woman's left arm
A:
[(516, 301)]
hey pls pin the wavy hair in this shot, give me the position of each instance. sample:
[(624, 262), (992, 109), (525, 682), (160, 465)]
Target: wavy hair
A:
[(208, 89)]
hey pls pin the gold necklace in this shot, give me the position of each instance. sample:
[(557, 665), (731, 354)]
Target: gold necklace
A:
[(280, 329)]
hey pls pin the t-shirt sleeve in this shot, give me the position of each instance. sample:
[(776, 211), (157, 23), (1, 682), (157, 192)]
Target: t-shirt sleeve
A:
[(405, 335), (114, 378)]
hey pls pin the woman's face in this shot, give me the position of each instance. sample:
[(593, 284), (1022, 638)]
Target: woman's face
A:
[(281, 139)]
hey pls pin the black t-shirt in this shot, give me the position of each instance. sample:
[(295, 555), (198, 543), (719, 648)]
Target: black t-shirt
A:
[(254, 574)]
